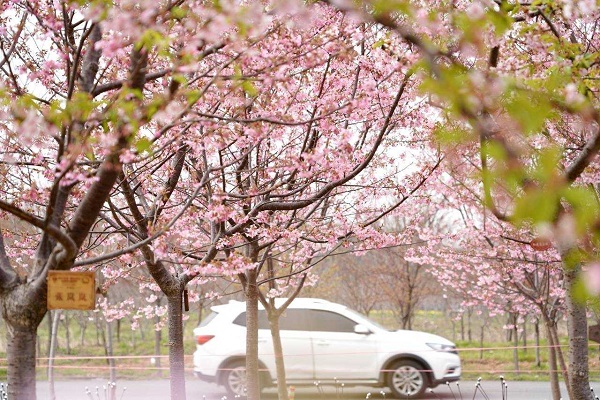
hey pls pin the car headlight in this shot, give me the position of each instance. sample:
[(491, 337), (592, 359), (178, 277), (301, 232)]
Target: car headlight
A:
[(443, 347)]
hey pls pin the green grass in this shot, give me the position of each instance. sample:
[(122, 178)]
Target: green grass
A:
[(498, 359)]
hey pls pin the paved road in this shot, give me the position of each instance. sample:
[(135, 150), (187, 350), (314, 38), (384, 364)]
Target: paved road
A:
[(197, 390)]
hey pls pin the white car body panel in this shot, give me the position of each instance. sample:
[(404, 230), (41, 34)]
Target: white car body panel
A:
[(330, 357), (345, 356), (297, 351)]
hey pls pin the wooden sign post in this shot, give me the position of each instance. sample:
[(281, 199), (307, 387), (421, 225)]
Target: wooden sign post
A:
[(68, 290)]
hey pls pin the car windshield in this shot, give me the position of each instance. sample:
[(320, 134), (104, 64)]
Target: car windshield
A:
[(362, 318)]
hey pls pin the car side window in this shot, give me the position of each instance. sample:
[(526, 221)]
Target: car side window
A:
[(263, 321), (327, 321), (294, 320), (290, 320)]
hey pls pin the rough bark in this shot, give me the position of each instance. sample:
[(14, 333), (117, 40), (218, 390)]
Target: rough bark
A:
[(561, 359), (252, 375), (279, 362), (172, 287), (176, 352), (578, 339), (552, 360), (21, 362), (53, 345), (22, 314)]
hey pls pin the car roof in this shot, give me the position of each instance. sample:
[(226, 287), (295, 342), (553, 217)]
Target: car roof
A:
[(299, 302)]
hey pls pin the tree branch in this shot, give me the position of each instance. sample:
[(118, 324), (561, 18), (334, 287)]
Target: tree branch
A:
[(15, 39), (298, 204), (587, 155), (8, 275), (53, 230)]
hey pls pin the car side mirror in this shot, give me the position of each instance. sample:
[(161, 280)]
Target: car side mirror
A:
[(362, 330)]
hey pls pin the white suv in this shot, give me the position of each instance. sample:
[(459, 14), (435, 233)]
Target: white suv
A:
[(326, 342)]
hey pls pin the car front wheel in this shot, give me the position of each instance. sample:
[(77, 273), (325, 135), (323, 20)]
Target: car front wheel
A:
[(407, 379)]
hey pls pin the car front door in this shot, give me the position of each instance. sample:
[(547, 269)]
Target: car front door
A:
[(295, 342), (340, 353), (297, 345)]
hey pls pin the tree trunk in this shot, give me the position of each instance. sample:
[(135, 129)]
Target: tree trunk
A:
[(469, 334), (67, 333), (119, 330), (578, 340), (20, 353), (99, 331), (54, 339), (538, 360), (176, 352), (157, 341), (110, 353), (481, 333), (23, 309), (142, 330), (133, 341), (49, 320), (83, 325), (516, 344), (38, 350), (252, 375), (524, 336), (552, 361), (561, 359), (279, 362), (200, 308)]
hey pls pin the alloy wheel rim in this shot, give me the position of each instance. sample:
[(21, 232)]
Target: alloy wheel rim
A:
[(407, 380), (237, 381)]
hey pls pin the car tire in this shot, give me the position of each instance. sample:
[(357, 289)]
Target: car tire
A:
[(234, 379), (407, 379)]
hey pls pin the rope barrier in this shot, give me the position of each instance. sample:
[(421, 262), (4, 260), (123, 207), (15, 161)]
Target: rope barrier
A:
[(190, 369), (459, 350)]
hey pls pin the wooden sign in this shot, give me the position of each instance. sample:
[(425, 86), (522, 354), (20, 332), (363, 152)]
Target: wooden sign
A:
[(68, 290), (594, 333)]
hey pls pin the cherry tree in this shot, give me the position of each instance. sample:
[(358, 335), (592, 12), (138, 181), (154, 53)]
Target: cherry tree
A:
[(513, 79), (290, 134), (53, 179), (230, 128), (86, 88), (489, 265), (312, 143)]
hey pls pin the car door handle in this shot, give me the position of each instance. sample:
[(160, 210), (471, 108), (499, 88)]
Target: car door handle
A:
[(322, 343)]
